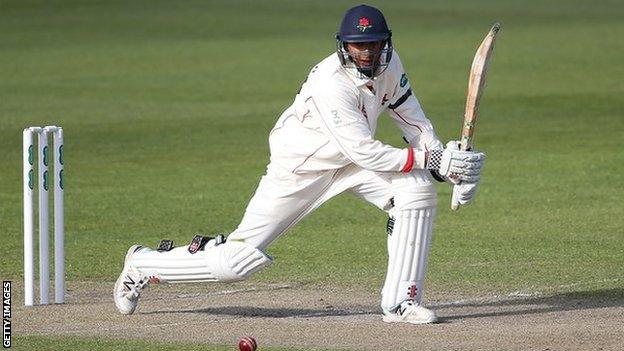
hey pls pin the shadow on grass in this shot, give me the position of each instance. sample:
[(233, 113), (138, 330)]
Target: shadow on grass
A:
[(514, 306)]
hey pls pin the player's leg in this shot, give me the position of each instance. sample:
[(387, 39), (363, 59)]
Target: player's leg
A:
[(205, 260), (280, 201), (410, 200)]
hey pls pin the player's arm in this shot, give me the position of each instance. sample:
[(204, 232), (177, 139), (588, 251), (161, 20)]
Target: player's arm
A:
[(444, 163), (406, 112), (410, 118), (347, 128), (408, 115)]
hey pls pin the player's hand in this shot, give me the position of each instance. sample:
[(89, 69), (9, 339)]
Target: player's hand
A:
[(463, 193), (456, 165)]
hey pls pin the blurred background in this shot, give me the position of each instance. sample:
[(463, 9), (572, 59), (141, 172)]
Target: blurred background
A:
[(167, 106)]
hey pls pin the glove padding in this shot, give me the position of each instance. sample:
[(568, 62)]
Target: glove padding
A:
[(463, 193), (465, 189), (455, 165)]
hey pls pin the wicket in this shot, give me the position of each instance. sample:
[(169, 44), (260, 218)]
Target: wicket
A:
[(59, 231)]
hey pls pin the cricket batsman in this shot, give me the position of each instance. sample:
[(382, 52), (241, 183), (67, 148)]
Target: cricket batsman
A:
[(323, 145)]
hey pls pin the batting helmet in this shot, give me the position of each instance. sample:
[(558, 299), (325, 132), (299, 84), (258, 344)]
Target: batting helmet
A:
[(365, 24)]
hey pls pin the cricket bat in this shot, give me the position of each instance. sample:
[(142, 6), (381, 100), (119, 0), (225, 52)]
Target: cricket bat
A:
[(476, 86)]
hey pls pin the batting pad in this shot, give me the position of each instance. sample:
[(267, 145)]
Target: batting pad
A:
[(408, 250), (228, 262)]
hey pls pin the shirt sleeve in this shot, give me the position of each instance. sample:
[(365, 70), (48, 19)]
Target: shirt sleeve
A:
[(417, 129), (347, 128), (408, 115)]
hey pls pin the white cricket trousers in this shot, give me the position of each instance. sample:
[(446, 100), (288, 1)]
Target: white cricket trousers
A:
[(282, 198)]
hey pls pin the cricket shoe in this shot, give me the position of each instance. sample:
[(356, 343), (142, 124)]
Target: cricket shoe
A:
[(410, 312), (129, 285)]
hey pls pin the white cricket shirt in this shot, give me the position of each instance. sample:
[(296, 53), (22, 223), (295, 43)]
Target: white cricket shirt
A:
[(333, 119)]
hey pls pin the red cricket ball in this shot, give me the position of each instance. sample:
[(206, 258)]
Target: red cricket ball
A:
[(247, 343)]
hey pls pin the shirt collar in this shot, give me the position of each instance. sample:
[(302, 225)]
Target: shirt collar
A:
[(356, 77)]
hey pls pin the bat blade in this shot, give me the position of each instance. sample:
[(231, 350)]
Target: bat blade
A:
[(476, 86)]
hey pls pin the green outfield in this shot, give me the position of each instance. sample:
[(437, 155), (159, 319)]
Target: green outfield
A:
[(167, 107), (73, 343)]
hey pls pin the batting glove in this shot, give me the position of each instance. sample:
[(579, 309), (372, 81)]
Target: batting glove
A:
[(456, 165)]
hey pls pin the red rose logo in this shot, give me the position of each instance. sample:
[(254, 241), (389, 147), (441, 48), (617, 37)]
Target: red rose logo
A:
[(364, 24)]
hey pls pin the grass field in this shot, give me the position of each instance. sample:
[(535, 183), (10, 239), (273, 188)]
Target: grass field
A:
[(73, 343), (167, 106)]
